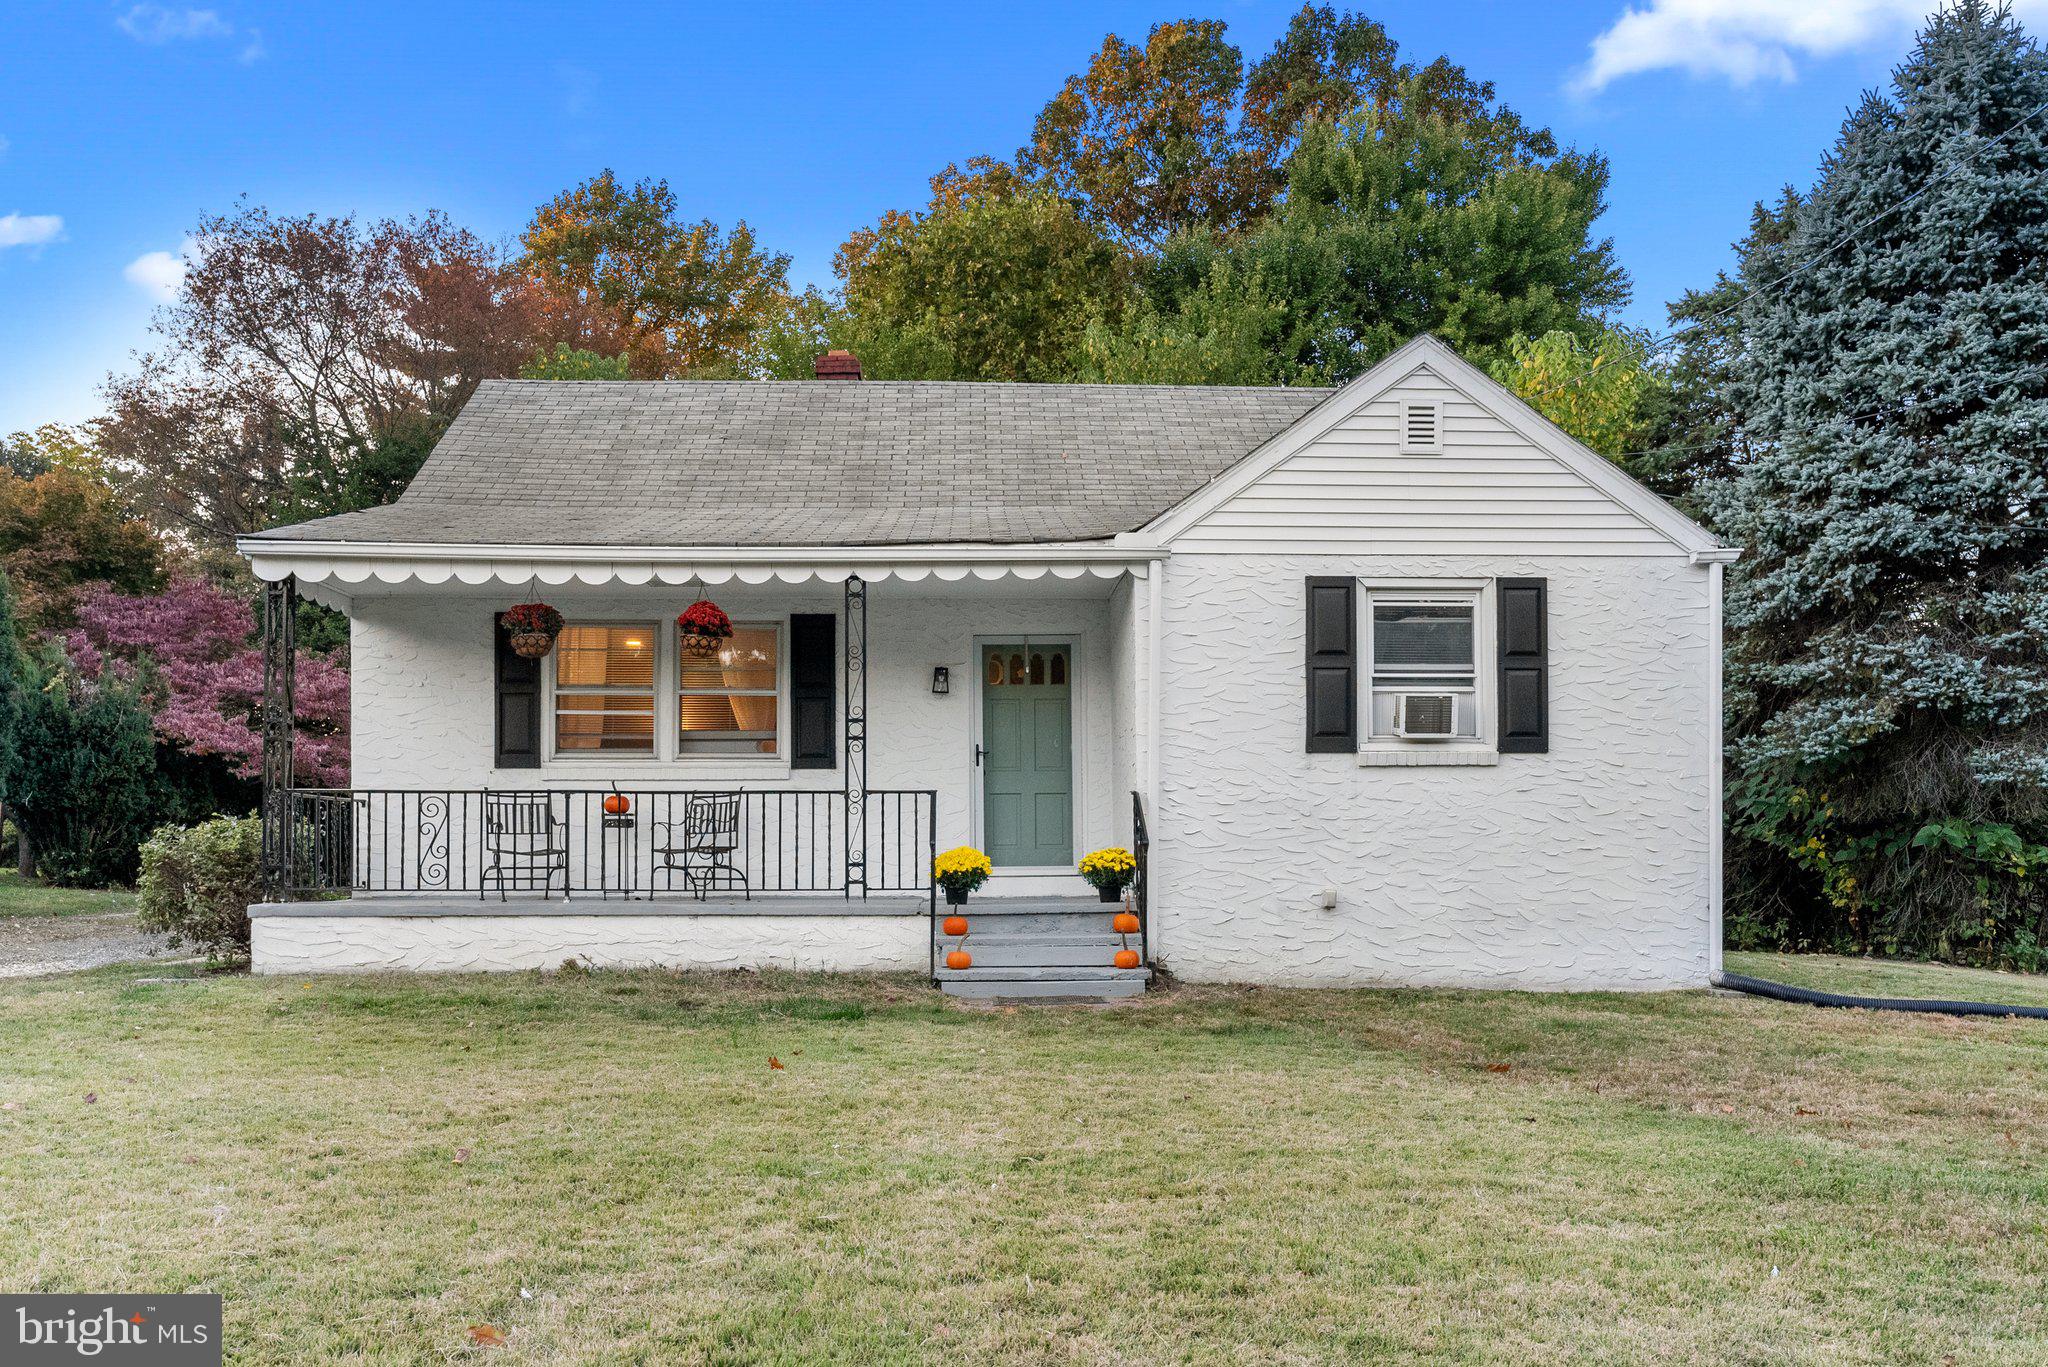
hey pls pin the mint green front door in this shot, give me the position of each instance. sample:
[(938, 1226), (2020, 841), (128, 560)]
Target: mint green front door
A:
[(1027, 757)]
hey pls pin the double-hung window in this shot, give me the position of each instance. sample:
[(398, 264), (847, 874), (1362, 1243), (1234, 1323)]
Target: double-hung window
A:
[(1422, 654), (604, 690), (730, 703)]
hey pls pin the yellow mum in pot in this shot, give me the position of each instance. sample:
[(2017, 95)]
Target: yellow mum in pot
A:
[(960, 871), (1110, 871)]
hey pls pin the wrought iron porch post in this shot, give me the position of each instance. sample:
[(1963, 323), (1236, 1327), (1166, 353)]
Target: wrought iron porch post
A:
[(280, 681), (856, 735)]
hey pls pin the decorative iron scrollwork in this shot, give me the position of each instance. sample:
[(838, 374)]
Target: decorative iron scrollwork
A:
[(433, 840)]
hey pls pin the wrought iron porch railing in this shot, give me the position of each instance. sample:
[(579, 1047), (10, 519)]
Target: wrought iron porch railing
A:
[(607, 841), (1141, 881)]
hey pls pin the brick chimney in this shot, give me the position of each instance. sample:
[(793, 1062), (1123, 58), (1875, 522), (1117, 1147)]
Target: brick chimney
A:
[(837, 365)]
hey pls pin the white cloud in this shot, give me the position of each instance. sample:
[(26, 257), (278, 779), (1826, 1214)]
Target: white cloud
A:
[(252, 48), (155, 24), (4, 145), (159, 274), (30, 230), (1746, 41)]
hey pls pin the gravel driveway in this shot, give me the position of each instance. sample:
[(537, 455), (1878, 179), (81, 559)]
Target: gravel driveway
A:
[(30, 945)]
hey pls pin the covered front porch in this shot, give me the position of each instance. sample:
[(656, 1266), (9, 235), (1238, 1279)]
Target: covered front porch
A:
[(649, 806)]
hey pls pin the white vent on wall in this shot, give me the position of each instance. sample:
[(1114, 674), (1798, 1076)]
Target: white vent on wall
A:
[(1421, 427), (1425, 716)]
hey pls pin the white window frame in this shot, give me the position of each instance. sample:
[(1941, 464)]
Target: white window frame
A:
[(780, 626), (668, 680), (1436, 425), (1474, 749), (555, 691)]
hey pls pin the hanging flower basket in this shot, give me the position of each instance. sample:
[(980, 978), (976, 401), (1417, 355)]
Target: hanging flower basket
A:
[(705, 629), (533, 627)]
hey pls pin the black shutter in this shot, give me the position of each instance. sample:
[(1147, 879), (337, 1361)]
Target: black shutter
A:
[(1524, 666), (813, 665), (1332, 665), (517, 723)]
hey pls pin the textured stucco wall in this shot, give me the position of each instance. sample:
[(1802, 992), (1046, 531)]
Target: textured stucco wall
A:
[(1127, 699), (478, 944), (1582, 868)]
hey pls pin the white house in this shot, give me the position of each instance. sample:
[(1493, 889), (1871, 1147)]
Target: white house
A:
[(1388, 684)]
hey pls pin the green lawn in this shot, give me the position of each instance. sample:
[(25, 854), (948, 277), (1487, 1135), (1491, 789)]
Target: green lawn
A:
[(608, 1167), (25, 897), (1894, 978)]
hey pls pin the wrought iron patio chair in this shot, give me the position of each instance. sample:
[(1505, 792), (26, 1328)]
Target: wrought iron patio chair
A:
[(701, 846), (521, 838)]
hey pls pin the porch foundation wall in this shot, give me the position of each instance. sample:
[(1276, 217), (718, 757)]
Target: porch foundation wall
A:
[(356, 943)]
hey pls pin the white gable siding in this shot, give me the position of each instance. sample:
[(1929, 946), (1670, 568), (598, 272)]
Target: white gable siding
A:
[(1490, 491)]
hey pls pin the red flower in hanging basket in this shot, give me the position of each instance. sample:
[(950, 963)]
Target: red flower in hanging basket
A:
[(538, 618), (533, 628), (705, 618)]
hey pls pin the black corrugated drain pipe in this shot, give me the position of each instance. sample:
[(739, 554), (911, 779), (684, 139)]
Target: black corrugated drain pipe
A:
[(1764, 987)]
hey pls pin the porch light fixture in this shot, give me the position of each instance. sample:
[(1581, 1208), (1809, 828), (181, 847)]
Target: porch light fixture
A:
[(942, 680)]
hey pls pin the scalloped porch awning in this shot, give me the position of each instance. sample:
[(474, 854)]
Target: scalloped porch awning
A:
[(335, 570)]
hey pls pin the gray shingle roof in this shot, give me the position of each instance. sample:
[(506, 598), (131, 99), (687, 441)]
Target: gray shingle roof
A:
[(711, 463)]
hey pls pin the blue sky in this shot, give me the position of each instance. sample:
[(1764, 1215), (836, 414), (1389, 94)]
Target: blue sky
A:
[(120, 123)]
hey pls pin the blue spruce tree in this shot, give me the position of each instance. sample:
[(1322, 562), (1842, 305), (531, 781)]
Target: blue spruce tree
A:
[(1889, 649)]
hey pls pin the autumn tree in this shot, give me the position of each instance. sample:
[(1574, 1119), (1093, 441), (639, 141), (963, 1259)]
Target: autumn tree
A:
[(678, 297), (63, 530), (343, 476), (1599, 392), (1225, 330), (297, 343), (53, 446), (1175, 134), (1394, 224), (994, 280), (576, 363), (191, 655)]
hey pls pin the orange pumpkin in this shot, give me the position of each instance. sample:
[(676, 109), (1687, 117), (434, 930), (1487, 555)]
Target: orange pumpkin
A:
[(1126, 923), (959, 958), (1127, 958), (618, 804), (954, 925)]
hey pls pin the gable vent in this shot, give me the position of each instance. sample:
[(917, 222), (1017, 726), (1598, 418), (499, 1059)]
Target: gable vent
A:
[(1421, 427)]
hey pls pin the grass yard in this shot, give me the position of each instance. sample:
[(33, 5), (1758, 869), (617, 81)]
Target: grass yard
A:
[(25, 897), (610, 1167)]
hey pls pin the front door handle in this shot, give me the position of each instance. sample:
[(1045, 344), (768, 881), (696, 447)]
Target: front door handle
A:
[(978, 753)]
